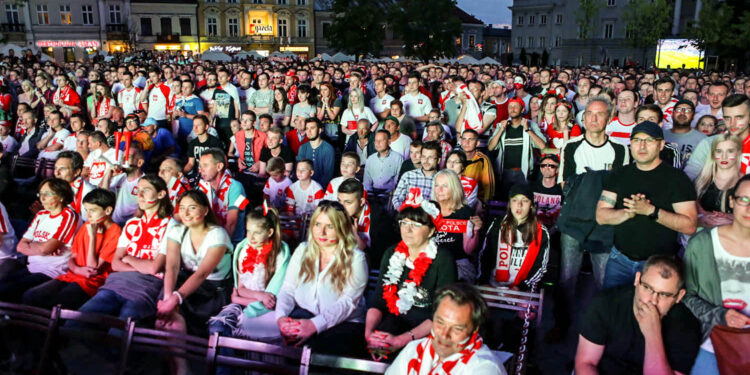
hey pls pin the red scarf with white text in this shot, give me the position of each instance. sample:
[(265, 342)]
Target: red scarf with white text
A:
[(502, 269)]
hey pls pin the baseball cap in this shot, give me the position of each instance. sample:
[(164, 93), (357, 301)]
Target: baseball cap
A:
[(149, 121), (650, 128), (392, 118), (687, 103), (498, 82), (550, 157), (522, 189)]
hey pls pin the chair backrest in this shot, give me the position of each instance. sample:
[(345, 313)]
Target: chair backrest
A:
[(296, 225), (508, 299), (299, 358), (100, 330), (35, 318), (330, 363), (169, 343), (372, 279), (495, 209)]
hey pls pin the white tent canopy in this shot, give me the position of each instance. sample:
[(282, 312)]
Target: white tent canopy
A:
[(467, 59), (215, 56), (489, 60), (340, 57), (248, 54)]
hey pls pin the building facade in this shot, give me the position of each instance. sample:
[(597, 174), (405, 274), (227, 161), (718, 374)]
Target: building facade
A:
[(67, 30), (496, 41), (266, 26), (165, 25), (552, 26)]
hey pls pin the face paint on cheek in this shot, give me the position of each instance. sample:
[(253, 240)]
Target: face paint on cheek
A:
[(152, 201)]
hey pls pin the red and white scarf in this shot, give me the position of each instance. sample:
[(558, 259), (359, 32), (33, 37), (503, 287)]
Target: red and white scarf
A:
[(219, 197), (504, 253), (252, 273), (102, 107), (177, 187), (62, 94), (473, 117), (77, 186), (427, 363)]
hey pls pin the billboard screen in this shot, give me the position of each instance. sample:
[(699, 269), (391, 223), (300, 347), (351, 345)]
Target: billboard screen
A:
[(676, 52)]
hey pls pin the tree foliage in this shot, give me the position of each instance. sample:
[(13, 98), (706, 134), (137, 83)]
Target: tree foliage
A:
[(722, 28), (428, 28), (587, 12), (647, 21), (356, 29)]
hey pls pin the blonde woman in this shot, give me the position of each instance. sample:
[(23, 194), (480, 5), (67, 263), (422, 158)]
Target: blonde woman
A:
[(320, 303), (28, 95), (716, 180), (356, 111), (459, 231)]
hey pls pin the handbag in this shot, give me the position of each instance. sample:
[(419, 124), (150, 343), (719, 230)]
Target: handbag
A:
[(731, 346)]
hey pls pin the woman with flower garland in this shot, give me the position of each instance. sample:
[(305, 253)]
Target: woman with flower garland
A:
[(260, 263), (410, 273), (514, 256), (563, 128), (320, 303)]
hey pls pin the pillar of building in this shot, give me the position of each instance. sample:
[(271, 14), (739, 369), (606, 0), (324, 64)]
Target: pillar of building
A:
[(676, 18)]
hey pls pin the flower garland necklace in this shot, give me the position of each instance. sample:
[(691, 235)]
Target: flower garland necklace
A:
[(400, 301)]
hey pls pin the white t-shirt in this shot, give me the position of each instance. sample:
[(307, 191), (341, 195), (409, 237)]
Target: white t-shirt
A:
[(401, 146), (46, 227), (128, 99), (332, 190), (10, 145), (160, 98), (127, 197), (8, 246), (350, 117), (416, 106), (735, 289), (303, 201), (58, 138), (100, 164), (619, 131), (378, 105), (192, 258), (70, 143), (275, 192)]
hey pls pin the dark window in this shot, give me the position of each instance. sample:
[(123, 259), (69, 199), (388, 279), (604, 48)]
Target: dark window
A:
[(185, 26), (326, 26), (166, 26), (146, 26)]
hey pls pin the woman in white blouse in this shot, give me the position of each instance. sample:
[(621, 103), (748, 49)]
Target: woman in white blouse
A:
[(320, 303), (357, 110), (199, 262)]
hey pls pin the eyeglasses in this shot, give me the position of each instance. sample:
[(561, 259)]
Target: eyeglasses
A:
[(742, 200), (651, 291), (553, 166), (637, 141), (409, 224), (683, 110), (276, 77), (46, 194)]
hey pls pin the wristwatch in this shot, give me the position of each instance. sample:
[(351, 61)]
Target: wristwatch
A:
[(654, 215)]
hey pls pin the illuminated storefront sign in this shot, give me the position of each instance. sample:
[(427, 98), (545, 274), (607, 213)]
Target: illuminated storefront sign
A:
[(167, 47), (294, 49), (68, 43), (259, 29), (228, 49)]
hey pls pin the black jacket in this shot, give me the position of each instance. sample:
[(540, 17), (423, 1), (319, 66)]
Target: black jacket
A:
[(351, 145), (578, 213)]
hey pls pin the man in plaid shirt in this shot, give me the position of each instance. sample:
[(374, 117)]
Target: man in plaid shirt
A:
[(421, 178)]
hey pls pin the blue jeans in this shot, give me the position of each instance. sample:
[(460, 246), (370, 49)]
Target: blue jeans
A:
[(110, 303), (620, 269), (705, 364)]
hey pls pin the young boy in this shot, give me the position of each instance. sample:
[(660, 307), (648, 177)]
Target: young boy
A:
[(304, 195), (349, 167), (91, 255), (125, 185), (274, 190)]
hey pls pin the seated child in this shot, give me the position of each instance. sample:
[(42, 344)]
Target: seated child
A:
[(304, 195), (275, 189)]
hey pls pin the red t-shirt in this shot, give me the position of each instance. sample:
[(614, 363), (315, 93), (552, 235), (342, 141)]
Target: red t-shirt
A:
[(106, 244)]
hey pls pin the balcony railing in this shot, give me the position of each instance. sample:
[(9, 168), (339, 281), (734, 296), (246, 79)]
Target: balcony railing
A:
[(117, 28), (12, 27)]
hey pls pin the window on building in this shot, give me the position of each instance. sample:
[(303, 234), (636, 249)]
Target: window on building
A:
[(611, 3), (232, 1), (211, 26), (542, 42), (146, 26), (166, 25), (88, 14), (519, 42), (520, 20), (281, 2), (558, 19), (301, 2), (65, 17), (558, 42), (629, 33), (532, 19), (42, 15), (609, 29), (185, 27), (115, 17), (233, 26), (543, 19), (472, 41), (11, 14), (257, 1), (283, 28), (530, 42), (69, 53), (210, 1), (302, 28), (326, 27)]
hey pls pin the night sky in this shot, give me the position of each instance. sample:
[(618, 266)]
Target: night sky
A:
[(489, 11)]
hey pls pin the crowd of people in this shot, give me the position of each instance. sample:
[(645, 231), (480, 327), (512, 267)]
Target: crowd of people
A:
[(163, 185)]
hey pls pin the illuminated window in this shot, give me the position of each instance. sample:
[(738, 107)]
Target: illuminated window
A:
[(42, 15), (211, 26), (65, 17)]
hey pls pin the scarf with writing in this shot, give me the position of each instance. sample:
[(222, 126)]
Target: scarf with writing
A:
[(502, 270)]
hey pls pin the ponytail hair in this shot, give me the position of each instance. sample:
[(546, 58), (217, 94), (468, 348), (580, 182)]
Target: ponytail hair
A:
[(268, 221)]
